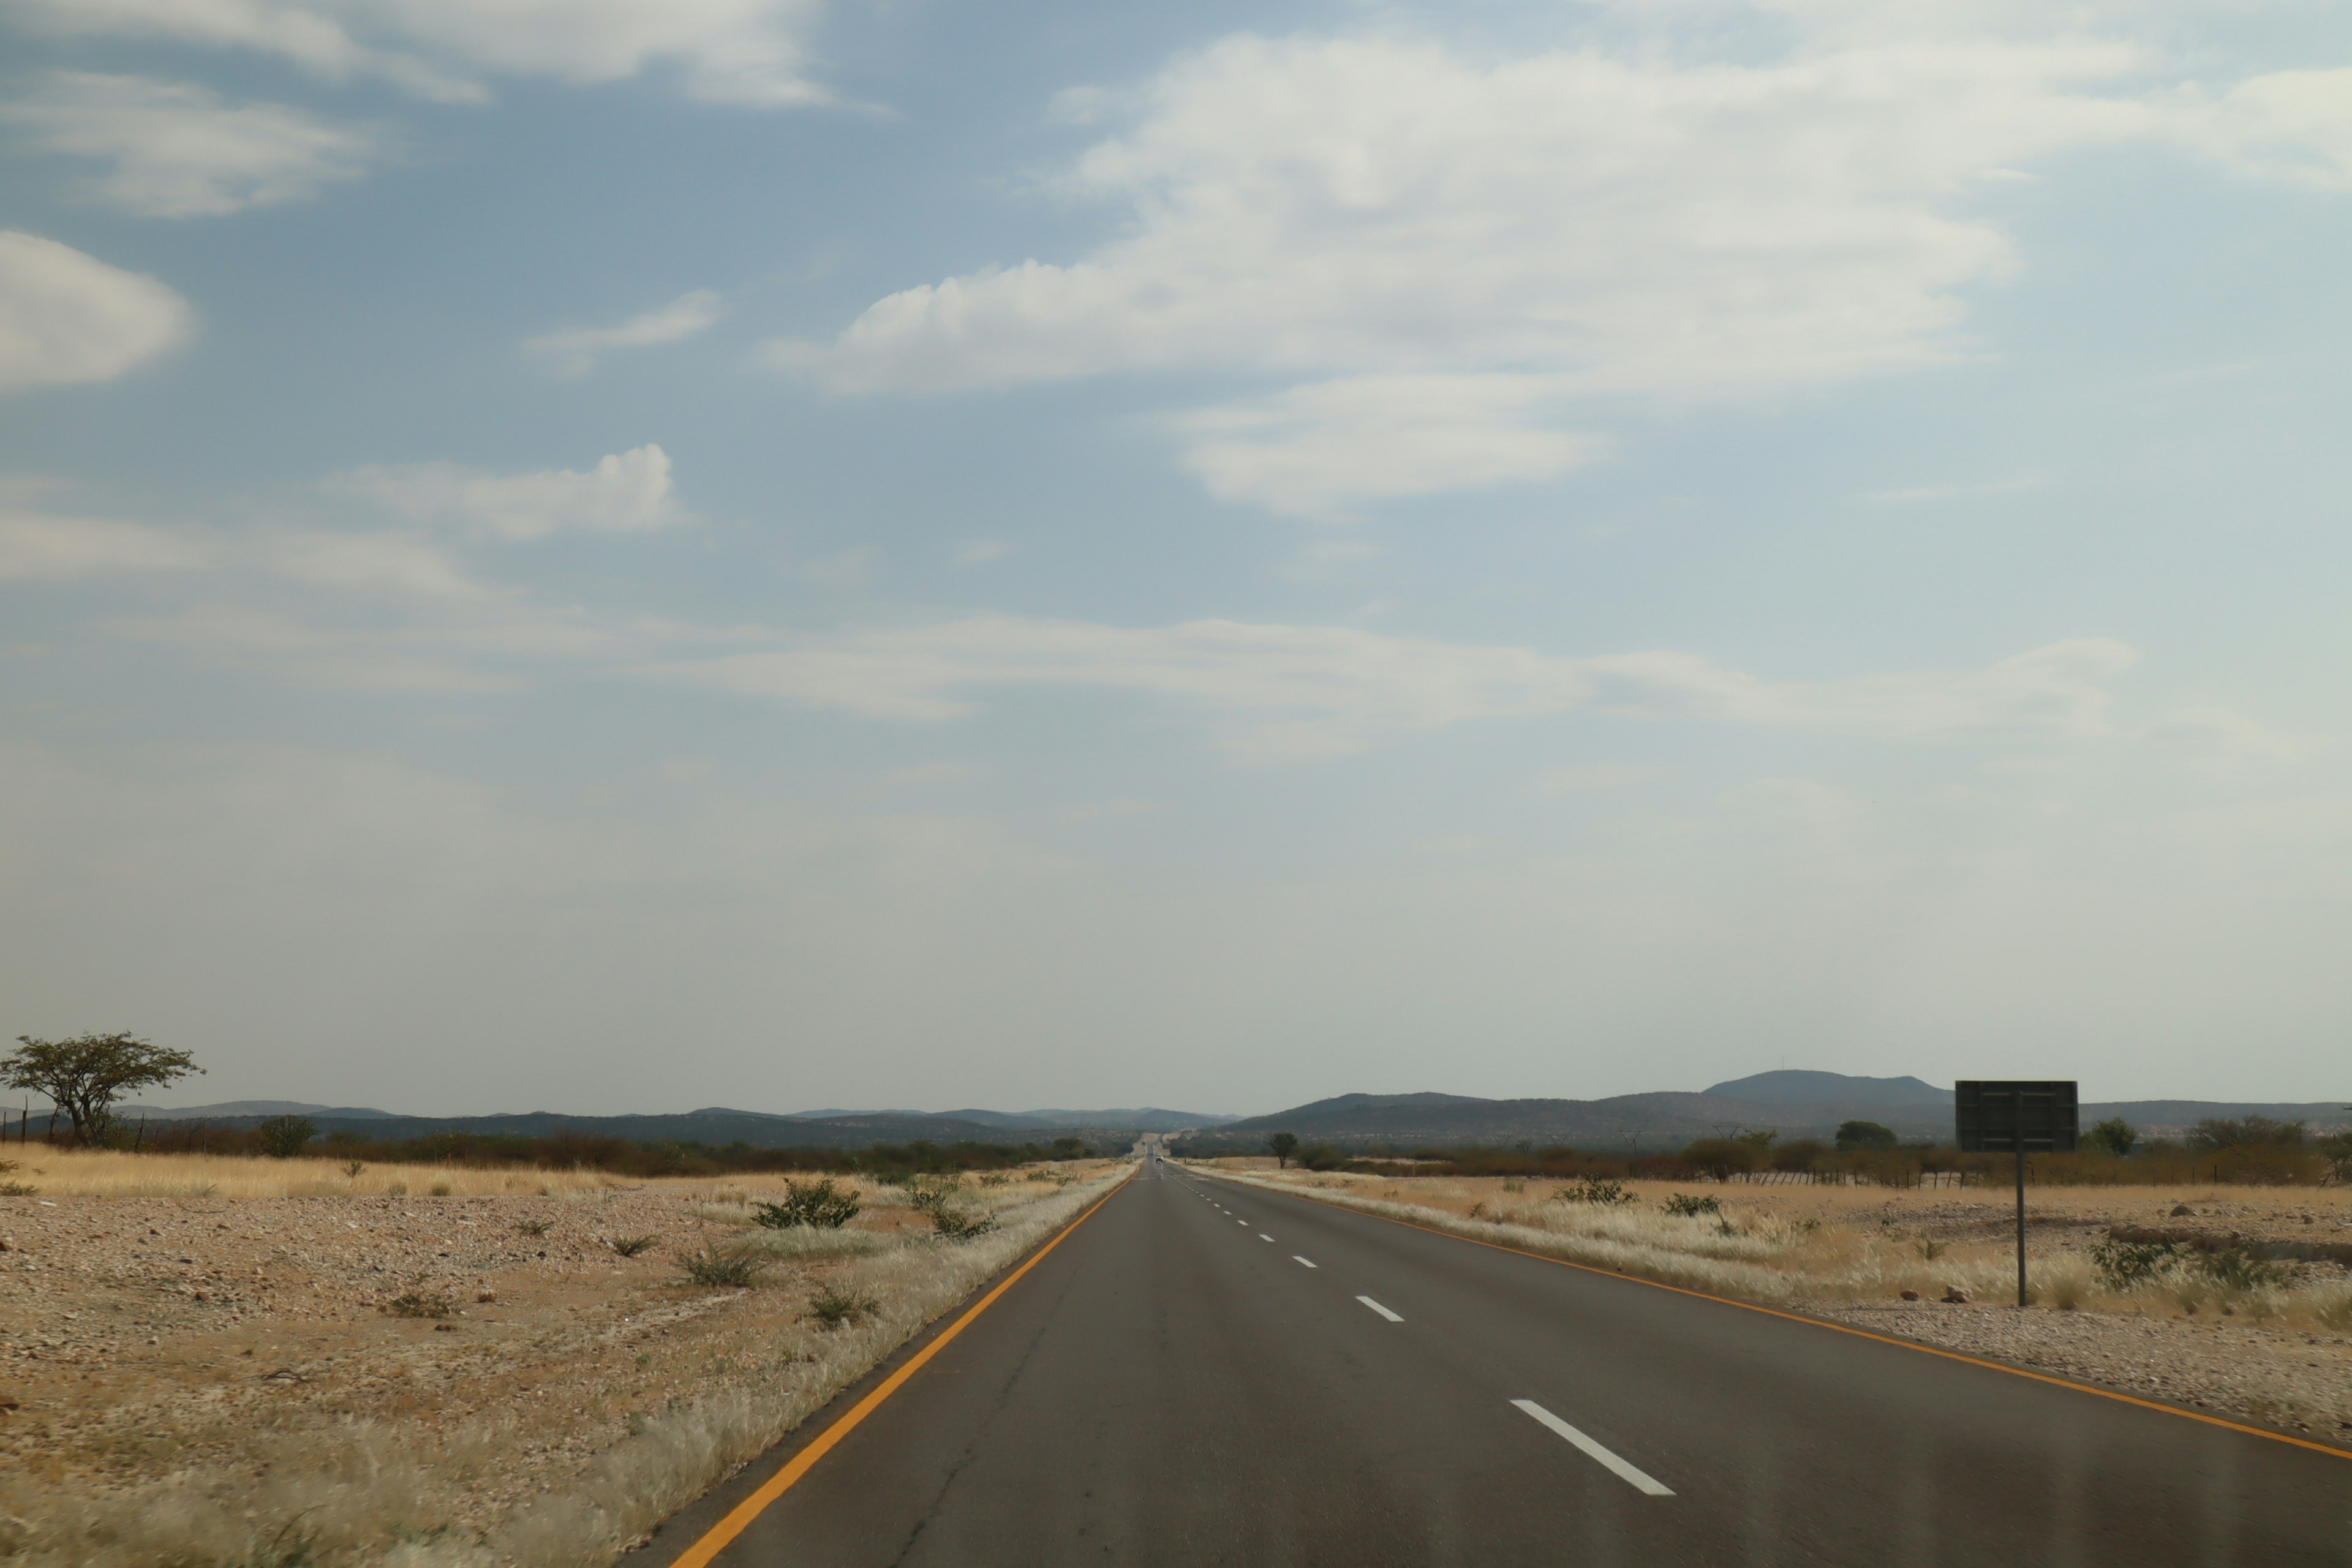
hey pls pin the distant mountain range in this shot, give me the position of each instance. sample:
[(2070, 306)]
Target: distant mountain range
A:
[(715, 1124), (1794, 1103), (1791, 1102)]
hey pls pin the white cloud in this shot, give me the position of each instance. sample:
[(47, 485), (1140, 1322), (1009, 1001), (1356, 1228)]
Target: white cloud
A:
[(65, 317), (734, 51), (1315, 450), (2295, 126), (1324, 690), (180, 151), (627, 492), (35, 547), (1355, 218), (574, 350), (396, 565)]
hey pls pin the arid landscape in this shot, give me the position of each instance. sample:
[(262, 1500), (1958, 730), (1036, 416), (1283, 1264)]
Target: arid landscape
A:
[(263, 1361), (2228, 1319)]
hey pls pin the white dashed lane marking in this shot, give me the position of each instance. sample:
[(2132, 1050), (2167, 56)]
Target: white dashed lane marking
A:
[(1624, 1472)]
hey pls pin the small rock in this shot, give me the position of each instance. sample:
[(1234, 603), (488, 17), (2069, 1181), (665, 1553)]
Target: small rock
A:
[(486, 1295), (1910, 1295), (10, 1401), (445, 1328), (2179, 1209), (1953, 1293)]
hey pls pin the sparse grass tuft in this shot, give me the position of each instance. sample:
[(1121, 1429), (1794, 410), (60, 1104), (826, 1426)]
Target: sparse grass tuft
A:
[(534, 1226), (416, 1304), (817, 1203), (832, 1307), (960, 1224), (1690, 1206), (630, 1246), (1591, 1189), (17, 1190), (724, 1267)]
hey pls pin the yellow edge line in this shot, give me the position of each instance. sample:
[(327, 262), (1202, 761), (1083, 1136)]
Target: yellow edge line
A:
[(1842, 1328), (722, 1535)]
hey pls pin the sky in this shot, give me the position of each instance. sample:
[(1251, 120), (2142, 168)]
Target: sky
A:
[(638, 554)]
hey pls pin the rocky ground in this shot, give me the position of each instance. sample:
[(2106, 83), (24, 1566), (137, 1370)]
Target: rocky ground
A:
[(503, 1337), (2299, 1382)]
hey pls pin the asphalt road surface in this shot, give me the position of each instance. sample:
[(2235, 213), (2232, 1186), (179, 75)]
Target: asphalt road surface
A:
[(1205, 1372)]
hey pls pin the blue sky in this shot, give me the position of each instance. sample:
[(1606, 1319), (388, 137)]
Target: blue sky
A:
[(632, 555)]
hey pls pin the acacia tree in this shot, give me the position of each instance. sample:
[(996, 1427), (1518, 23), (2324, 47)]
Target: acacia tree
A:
[(1284, 1145), (83, 1077)]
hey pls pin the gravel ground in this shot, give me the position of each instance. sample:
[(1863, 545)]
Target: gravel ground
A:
[(142, 1337), (2299, 1383), (150, 1334)]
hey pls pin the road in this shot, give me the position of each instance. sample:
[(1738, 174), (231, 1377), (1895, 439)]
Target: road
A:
[(1207, 1374)]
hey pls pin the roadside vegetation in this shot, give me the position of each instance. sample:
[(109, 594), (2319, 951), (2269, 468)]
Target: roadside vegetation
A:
[(279, 1365), (2251, 1151), (2260, 1252)]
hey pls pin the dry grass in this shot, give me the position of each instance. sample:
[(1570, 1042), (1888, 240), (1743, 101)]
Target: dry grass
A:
[(106, 1174), (548, 1430), (1819, 1245)]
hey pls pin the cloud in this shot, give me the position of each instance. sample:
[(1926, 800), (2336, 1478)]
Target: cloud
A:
[(751, 52), (574, 350), (34, 548), (628, 492), (180, 151), (1386, 227), (1303, 691), (1312, 451), (65, 317), (2294, 126)]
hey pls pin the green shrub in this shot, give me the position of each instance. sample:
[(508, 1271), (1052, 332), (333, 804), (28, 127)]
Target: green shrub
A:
[(2235, 1268), (2124, 1264), (18, 1189), (282, 1137), (959, 1224), (833, 1306), (1690, 1206), (818, 1204), (1590, 1189), (737, 1268)]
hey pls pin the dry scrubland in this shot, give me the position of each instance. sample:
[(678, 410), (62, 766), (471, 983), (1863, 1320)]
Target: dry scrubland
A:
[(239, 1362), (2278, 1352)]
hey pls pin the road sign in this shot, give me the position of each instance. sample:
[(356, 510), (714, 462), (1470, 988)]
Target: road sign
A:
[(2019, 1116), (2036, 1116)]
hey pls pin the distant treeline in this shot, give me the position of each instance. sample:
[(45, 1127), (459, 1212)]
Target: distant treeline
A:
[(563, 1150), (2251, 1151)]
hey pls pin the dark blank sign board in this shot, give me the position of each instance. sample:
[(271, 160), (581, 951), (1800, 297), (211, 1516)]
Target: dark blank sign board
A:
[(2001, 1115)]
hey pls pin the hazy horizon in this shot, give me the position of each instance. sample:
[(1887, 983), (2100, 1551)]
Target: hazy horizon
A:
[(778, 553)]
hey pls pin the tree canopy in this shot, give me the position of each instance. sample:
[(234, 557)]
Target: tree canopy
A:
[(1864, 1135), (84, 1076)]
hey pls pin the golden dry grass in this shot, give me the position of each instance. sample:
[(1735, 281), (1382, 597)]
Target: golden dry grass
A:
[(108, 1173), (1826, 1245), (269, 1411)]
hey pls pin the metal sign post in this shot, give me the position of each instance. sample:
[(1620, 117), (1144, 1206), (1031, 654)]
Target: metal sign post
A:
[(2017, 1114)]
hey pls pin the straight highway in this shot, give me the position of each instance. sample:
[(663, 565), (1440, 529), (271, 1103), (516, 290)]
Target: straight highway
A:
[(1205, 1372)]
